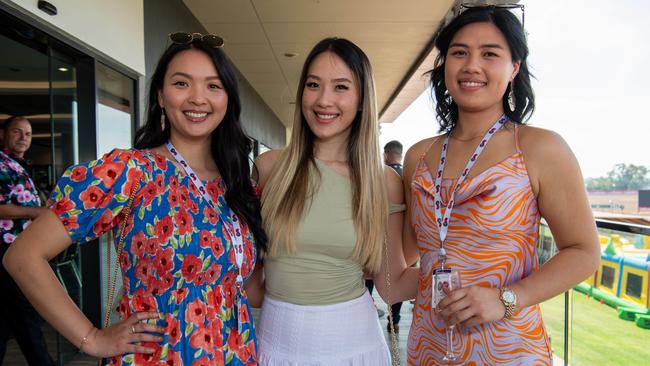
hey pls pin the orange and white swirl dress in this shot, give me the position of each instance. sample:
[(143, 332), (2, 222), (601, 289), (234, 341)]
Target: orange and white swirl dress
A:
[(492, 241)]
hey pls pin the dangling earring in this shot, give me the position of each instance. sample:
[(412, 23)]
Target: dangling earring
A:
[(162, 119), (511, 98)]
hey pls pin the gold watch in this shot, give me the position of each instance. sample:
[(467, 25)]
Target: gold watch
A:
[(509, 300)]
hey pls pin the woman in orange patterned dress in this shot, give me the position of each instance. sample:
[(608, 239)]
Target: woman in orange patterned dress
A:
[(523, 174)]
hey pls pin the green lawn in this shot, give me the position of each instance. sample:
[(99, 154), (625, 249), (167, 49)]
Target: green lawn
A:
[(599, 337)]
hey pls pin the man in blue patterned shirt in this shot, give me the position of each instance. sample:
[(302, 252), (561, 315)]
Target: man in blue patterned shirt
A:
[(19, 205)]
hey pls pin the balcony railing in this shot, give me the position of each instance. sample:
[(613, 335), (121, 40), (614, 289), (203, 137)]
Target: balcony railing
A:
[(604, 320)]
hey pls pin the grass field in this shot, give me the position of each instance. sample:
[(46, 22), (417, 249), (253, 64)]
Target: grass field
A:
[(599, 337)]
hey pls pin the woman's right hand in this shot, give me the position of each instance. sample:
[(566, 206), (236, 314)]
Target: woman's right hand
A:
[(123, 337)]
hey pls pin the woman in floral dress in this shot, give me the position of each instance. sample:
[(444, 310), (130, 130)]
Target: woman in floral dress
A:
[(192, 235)]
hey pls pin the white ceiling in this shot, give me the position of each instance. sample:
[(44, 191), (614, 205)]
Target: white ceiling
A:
[(393, 33)]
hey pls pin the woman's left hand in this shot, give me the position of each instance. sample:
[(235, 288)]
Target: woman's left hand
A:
[(470, 306)]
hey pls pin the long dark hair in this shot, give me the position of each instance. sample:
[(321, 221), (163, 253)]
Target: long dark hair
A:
[(513, 31), (230, 145)]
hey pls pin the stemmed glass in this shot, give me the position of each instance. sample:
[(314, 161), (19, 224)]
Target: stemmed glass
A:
[(450, 280)]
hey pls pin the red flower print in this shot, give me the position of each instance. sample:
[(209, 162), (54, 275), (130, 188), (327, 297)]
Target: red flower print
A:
[(173, 183), (217, 332), (204, 361), (70, 223), (183, 221), (213, 190), (209, 213), (229, 279), (183, 196), (193, 206), (63, 205), (195, 312), (229, 294), (152, 359), (123, 308), (251, 349), (104, 223), (199, 280), (124, 260), (193, 191), (164, 229), (191, 267), (173, 358), (215, 298), (78, 173), (202, 338), (149, 193), (243, 314), (164, 260), (142, 301), (213, 273), (155, 286), (161, 162), (217, 247), (180, 295), (168, 281), (173, 199), (173, 329), (235, 341), (143, 270), (160, 184), (108, 172), (138, 244), (132, 177), (91, 197), (206, 239), (151, 246), (243, 353)]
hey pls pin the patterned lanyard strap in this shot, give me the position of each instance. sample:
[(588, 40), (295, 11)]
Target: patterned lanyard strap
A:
[(443, 221), (230, 221)]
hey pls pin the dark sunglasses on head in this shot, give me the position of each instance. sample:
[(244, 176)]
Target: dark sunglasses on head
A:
[(186, 38), (465, 6)]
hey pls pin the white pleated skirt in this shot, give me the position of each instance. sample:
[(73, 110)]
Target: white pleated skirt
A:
[(343, 334)]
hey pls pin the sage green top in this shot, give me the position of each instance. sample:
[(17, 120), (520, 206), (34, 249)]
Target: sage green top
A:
[(321, 270)]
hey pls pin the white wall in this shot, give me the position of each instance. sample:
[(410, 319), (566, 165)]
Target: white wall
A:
[(113, 27)]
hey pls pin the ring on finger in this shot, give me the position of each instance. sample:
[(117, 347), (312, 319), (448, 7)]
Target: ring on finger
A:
[(132, 329)]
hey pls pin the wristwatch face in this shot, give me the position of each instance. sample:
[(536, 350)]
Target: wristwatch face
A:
[(509, 297)]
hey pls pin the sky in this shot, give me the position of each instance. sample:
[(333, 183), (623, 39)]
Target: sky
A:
[(591, 61)]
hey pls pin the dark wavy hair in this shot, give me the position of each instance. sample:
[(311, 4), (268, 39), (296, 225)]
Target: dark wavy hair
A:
[(230, 145), (513, 31)]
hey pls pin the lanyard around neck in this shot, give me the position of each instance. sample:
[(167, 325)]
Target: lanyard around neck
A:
[(443, 220), (230, 221)]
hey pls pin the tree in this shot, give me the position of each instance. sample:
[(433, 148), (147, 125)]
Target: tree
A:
[(622, 177)]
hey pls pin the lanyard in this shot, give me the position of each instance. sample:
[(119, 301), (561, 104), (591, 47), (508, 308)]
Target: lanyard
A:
[(443, 221), (230, 221)]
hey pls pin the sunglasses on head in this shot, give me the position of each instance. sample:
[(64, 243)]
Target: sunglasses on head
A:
[(186, 38), (465, 6)]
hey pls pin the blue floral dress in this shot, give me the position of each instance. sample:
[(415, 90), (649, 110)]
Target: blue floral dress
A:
[(177, 258)]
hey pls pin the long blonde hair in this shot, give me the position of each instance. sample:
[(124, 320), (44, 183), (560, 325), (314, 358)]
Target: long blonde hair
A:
[(292, 183)]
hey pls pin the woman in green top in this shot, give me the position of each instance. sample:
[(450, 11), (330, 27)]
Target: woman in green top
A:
[(325, 206)]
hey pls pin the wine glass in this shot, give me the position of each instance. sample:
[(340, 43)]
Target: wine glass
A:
[(450, 280)]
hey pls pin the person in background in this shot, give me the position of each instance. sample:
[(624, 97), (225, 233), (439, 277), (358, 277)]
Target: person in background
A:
[(476, 195), (392, 158), (393, 155), (19, 205), (191, 237)]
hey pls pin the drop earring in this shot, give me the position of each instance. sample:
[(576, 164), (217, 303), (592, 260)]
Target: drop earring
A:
[(162, 119), (511, 98)]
